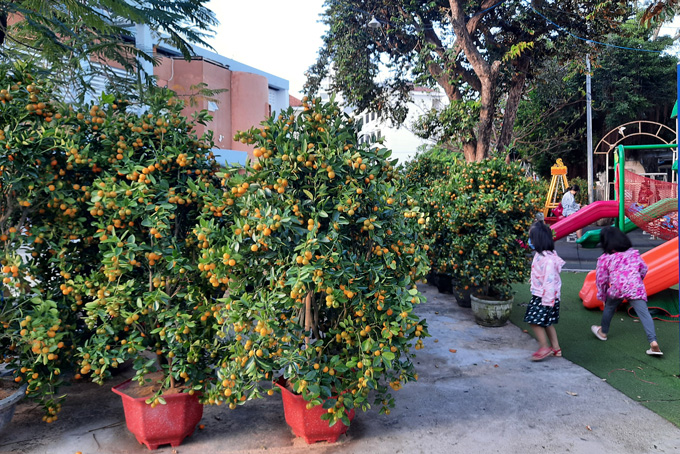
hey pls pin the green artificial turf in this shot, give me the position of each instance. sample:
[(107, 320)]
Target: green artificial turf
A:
[(621, 360)]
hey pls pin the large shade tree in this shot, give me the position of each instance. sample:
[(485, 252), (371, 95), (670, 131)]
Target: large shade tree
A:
[(69, 35), (480, 53), (627, 85), (659, 11)]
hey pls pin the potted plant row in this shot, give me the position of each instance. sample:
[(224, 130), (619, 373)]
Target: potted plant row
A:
[(120, 243), (425, 174)]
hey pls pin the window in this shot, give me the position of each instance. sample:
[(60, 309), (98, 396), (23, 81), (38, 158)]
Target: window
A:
[(366, 118), (372, 115), (378, 134)]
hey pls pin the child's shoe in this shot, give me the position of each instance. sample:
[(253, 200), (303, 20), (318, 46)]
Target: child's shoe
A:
[(597, 331), (654, 350), (542, 353)]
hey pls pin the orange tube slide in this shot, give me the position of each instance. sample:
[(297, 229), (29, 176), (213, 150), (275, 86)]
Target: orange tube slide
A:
[(663, 273), (585, 216)]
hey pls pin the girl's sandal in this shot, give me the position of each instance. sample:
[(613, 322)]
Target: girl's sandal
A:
[(557, 353), (541, 354)]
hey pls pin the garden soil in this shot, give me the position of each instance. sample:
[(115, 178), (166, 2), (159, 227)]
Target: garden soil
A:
[(478, 391)]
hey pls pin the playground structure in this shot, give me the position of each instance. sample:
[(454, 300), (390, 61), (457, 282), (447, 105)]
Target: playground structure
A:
[(662, 261), (558, 185), (642, 129)]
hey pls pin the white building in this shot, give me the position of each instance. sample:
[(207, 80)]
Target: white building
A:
[(403, 143)]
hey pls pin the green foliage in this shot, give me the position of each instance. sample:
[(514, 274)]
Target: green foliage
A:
[(72, 38), (632, 85), (626, 86), (321, 250), (457, 122), (103, 200), (425, 174), (417, 45), (485, 209)]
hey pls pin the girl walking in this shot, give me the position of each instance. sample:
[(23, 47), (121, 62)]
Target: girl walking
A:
[(619, 274), (543, 311)]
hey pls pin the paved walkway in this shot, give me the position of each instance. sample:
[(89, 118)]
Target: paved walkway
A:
[(484, 396)]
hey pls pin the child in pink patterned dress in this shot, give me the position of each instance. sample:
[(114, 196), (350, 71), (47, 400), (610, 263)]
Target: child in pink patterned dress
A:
[(620, 271), (543, 310)]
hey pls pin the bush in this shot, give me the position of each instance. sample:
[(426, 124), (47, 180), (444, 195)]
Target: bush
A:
[(321, 249), (487, 208), (424, 175), (105, 199)]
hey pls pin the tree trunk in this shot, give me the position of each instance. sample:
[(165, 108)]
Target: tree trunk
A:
[(469, 151), (486, 111), (485, 72), (308, 316), (514, 97)]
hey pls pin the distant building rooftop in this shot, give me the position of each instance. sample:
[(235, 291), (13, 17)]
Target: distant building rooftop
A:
[(294, 102)]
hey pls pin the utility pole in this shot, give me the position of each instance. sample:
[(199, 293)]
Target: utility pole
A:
[(676, 131), (589, 121)]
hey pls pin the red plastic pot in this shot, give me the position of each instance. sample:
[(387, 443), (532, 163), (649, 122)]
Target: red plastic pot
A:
[(307, 423), (170, 423)]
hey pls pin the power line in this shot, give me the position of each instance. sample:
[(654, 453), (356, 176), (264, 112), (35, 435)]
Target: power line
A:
[(590, 41)]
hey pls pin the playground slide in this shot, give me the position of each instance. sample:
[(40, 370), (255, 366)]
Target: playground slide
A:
[(591, 238), (585, 216), (663, 273), (658, 209)]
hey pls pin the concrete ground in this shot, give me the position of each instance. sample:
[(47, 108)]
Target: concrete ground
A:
[(478, 392)]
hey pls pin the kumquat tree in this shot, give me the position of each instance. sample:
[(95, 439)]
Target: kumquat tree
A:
[(96, 219), (320, 249), (487, 208), (425, 174)]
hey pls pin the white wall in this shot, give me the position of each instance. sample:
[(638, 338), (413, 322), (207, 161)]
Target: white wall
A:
[(278, 100), (403, 143)]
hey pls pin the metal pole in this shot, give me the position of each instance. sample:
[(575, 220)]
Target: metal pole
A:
[(622, 184), (589, 122)]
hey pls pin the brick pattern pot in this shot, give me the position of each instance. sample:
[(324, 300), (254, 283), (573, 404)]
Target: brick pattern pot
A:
[(164, 424), (490, 312), (8, 404), (308, 423)]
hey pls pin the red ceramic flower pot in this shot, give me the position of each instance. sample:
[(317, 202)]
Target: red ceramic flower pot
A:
[(308, 423), (170, 423)]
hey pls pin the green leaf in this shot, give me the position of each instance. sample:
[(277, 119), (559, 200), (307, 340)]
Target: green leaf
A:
[(388, 356)]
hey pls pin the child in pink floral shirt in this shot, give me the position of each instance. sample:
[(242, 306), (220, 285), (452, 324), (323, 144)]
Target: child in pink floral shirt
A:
[(620, 271), (543, 310)]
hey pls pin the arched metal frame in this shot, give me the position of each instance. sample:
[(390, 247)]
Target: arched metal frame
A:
[(613, 138)]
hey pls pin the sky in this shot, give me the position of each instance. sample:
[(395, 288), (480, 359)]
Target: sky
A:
[(279, 37)]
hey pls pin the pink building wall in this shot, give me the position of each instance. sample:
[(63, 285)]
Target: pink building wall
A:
[(250, 98), (245, 103)]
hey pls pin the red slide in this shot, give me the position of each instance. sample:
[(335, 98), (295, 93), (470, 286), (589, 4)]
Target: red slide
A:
[(663, 273), (586, 216)]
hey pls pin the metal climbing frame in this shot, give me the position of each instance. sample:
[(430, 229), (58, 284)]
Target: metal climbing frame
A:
[(558, 182)]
